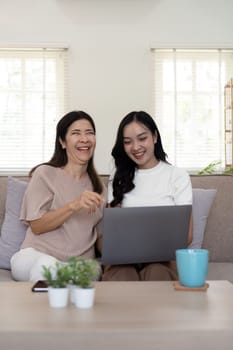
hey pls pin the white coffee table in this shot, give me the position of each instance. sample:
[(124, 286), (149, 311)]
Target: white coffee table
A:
[(126, 315)]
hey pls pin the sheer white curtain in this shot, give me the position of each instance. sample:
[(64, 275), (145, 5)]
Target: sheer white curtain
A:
[(33, 94), (189, 103)]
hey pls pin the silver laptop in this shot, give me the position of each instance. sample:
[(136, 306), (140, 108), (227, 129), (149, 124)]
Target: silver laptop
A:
[(144, 234)]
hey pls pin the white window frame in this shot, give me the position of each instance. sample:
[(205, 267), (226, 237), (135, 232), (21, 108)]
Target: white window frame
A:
[(55, 58), (158, 109)]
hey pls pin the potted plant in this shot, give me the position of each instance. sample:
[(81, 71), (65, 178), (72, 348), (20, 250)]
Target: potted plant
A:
[(57, 278), (83, 272), (214, 168)]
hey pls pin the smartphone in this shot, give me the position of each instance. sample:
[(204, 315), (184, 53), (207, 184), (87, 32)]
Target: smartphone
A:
[(40, 286)]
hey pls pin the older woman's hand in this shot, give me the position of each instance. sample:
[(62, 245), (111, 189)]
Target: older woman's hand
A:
[(88, 200)]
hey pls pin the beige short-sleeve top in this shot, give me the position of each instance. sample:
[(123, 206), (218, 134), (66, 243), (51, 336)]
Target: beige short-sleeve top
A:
[(51, 188)]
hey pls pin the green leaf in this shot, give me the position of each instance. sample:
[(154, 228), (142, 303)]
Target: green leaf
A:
[(62, 275), (83, 271), (210, 168)]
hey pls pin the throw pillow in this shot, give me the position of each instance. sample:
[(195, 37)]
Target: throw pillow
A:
[(202, 202), (13, 230)]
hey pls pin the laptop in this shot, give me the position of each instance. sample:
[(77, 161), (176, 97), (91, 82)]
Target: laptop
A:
[(144, 234)]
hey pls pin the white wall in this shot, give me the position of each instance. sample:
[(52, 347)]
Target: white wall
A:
[(111, 67)]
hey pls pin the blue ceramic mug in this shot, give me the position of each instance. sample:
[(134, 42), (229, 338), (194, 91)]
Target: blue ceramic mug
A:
[(192, 266)]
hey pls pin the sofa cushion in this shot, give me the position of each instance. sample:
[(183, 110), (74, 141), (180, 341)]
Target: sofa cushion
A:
[(13, 230), (220, 271), (202, 202)]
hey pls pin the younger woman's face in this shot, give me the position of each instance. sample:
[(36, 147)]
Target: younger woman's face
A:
[(79, 142), (139, 145)]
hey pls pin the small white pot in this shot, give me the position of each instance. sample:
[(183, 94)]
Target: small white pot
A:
[(58, 297), (84, 297)]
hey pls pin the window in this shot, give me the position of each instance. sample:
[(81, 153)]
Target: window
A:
[(32, 99), (189, 104)]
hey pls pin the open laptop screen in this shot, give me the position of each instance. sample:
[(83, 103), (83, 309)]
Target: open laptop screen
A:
[(144, 234)]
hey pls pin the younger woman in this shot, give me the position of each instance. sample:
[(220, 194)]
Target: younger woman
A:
[(143, 177)]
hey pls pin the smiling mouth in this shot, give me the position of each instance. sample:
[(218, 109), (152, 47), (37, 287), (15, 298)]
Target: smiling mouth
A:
[(138, 155), (86, 148)]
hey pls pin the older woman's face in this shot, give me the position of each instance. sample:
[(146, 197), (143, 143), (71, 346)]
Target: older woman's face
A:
[(139, 145), (80, 142)]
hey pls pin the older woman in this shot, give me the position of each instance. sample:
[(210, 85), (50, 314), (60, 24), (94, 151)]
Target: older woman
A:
[(63, 203)]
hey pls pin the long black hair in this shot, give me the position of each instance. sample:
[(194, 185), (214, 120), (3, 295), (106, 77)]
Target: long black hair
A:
[(125, 167), (59, 158)]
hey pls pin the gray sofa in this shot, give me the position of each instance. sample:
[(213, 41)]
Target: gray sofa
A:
[(218, 237)]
